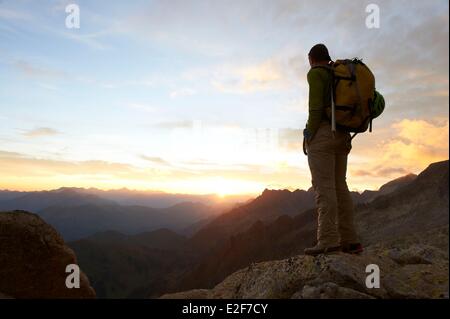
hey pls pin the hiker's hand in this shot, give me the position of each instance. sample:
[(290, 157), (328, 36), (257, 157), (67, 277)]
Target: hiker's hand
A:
[(306, 134)]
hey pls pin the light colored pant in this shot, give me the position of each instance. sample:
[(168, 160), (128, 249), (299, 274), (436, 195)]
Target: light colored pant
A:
[(327, 159)]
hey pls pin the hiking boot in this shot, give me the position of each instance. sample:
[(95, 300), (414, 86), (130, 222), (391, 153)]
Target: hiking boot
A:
[(355, 248), (317, 250)]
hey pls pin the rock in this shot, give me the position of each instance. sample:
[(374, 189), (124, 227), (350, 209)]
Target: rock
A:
[(3, 296), (33, 259), (418, 281), (417, 254), (412, 272), (190, 294), (273, 279), (329, 290)]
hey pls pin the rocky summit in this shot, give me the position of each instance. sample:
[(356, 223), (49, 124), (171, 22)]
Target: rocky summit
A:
[(418, 271), (33, 260)]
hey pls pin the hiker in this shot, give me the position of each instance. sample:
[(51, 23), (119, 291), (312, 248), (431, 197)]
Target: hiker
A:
[(327, 153)]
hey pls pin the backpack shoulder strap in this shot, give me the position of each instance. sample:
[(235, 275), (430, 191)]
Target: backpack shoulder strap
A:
[(328, 66)]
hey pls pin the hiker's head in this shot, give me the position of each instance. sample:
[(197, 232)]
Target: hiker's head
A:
[(319, 54)]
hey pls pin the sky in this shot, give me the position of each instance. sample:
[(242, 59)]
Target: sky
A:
[(209, 96)]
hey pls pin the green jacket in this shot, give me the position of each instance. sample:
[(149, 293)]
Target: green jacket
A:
[(319, 80)]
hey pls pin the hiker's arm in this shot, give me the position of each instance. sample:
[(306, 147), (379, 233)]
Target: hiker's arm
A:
[(316, 91)]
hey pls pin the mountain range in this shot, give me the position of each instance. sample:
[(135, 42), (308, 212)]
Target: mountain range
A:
[(135, 251), (77, 213), (72, 196), (276, 224)]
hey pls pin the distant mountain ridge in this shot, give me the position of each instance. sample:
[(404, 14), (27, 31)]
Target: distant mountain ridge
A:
[(75, 222), (276, 224), (36, 201), (153, 199), (78, 213)]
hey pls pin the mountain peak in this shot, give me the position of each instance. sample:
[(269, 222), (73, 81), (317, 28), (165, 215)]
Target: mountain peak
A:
[(274, 193), (436, 168), (68, 190), (397, 183)]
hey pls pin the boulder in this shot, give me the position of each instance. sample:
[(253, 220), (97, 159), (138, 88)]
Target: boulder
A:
[(33, 260)]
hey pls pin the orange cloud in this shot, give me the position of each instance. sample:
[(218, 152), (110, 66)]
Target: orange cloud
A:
[(22, 172), (409, 146), (418, 143), (265, 76), (41, 131)]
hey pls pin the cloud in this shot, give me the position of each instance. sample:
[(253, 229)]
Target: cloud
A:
[(122, 84), (8, 14), (20, 171), (202, 166), (91, 39), (174, 124), (193, 27), (182, 92), (48, 86), (417, 142), (11, 163), (424, 133), (40, 132), (155, 160), (36, 71), (10, 154), (392, 171), (40, 21), (381, 172), (409, 146), (265, 76), (245, 77), (94, 26), (142, 107)]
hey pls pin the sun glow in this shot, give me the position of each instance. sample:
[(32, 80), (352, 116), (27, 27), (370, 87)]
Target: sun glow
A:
[(217, 185)]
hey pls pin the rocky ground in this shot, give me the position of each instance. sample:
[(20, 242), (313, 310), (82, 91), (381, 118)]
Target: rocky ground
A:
[(419, 271)]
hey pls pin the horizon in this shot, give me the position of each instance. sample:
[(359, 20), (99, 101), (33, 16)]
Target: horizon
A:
[(125, 189), (207, 98), (219, 196)]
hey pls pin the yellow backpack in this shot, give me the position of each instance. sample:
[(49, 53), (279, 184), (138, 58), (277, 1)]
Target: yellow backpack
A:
[(353, 95)]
